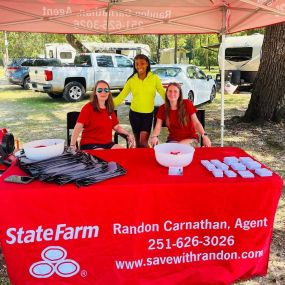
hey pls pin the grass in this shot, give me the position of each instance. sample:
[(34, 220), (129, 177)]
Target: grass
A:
[(30, 116)]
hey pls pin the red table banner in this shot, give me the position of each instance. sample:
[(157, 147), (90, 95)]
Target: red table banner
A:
[(143, 228)]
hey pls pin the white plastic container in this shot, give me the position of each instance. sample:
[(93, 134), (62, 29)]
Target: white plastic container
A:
[(174, 154), (43, 149)]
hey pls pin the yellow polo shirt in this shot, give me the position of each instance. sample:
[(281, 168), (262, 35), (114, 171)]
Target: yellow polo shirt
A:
[(143, 92)]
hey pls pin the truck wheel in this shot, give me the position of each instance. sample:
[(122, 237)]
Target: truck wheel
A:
[(55, 95), (73, 91), (26, 82), (213, 94), (191, 96)]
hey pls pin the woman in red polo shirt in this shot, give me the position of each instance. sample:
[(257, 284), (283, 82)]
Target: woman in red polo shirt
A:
[(180, 118), (96, 121)]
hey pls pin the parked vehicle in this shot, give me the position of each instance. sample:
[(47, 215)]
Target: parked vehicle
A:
[(72, 81), (195, 84), (242, 60), (17, 72), (66, 53)]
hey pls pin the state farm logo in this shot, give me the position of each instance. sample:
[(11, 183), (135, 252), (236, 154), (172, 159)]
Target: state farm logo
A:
[(54, 261)]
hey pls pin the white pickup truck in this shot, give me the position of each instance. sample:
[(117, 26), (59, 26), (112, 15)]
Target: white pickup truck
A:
[(72, 81)]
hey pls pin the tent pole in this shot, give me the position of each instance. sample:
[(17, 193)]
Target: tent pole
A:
[(223, 90), (6, 56)]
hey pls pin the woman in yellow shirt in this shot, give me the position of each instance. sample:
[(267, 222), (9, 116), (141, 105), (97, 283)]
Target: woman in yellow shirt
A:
[(143, 85)]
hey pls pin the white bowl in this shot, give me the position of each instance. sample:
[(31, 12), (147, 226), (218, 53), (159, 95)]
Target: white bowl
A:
[(43, 149), (174, 154)]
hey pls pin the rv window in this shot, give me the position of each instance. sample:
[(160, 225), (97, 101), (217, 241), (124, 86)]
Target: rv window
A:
[(105, 61), (82, 60), (65, 55), (239, 54), (51, 54), (123, 62)]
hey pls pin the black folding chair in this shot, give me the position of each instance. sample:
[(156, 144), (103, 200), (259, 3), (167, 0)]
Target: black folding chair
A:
[(200, 115), (71, 119)]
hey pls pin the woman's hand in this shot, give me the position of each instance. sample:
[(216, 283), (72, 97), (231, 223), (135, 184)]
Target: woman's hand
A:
[(131, 140), (72, 148), (153, 141), (206, 141)]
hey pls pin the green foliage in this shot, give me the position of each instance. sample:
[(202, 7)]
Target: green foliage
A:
[(32, 44)]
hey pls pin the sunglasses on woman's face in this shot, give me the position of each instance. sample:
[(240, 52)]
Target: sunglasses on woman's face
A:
[(100, 90)]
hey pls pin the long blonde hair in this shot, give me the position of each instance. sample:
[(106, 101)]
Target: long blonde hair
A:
[(182, 118), (108, 103)]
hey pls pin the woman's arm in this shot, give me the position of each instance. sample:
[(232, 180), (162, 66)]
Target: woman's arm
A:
[(119, 129), (199, 128), (155, 133), (75, 134), (123, 94)]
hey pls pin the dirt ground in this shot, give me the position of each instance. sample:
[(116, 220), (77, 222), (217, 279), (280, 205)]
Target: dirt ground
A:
[(266, 142)]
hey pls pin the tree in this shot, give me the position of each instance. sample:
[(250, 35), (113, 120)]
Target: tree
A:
[(76, 44), (189, 48), (267, 101)]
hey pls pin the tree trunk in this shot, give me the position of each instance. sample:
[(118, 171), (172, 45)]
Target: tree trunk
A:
[(158, 48), (267, 101), (175, 49), (75, 43)]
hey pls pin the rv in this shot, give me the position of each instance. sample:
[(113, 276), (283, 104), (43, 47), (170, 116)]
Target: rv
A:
[(66, 53), (242, 60)]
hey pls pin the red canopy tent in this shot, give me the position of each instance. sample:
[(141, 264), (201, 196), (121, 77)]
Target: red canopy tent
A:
[(120, 17)]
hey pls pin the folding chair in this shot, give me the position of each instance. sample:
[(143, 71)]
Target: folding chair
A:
[(71, 119), (200, 115)]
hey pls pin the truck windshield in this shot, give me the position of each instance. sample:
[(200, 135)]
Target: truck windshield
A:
[(83, 60), (239, 54)]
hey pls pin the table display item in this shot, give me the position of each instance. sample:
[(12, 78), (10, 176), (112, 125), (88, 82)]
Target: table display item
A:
[(230, 174), (19, 179), (230, 159), (80, 168), (252, 165), (219, 164), (218, 173), (43, 149), (208, 165), (246, 174), (263, 172), (174, 155), (238, 166)]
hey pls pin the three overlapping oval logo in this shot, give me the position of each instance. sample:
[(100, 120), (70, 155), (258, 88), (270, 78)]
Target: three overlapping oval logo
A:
[(54, 261)]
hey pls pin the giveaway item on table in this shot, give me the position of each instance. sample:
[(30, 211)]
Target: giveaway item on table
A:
[(263, 172), (208, 165), (80, 168), (230, 174), (218, 173), (229, 160), (245, 159), (219, 164), (238, 166), (43, 149), (252, 165), (175, 156), (246, 174)]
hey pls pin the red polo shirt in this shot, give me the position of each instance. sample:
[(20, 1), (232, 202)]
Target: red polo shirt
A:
[(97, 125), (176, 131)]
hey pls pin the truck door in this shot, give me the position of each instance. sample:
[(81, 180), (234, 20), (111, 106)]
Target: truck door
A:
[(105, 70), (125, 69)]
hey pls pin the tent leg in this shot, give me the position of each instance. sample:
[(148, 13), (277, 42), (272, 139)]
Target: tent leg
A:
[(222, 90)]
